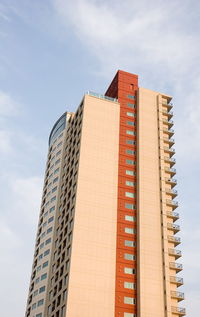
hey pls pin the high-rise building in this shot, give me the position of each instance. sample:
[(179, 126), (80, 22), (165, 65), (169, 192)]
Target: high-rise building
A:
[(106, 239)]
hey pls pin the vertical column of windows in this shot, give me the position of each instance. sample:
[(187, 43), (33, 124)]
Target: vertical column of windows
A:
[(38, 285), (124, 87), (57, 293)]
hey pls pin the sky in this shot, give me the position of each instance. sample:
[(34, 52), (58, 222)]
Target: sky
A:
[(51, 53)]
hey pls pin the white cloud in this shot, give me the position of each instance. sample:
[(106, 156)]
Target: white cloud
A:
[(5, 142), (8, 106), (133, 34)]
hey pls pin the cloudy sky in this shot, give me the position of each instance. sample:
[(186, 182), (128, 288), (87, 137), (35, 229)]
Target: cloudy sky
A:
[(51, 53)]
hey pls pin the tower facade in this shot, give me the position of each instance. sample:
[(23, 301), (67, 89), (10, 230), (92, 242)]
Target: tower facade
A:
[(106, 240)]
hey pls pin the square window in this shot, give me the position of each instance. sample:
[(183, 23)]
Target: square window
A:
[(128, 256)]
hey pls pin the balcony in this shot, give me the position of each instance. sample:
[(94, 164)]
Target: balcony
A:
[(176, 253), (166, 103), (176, 280), (173, 227), (171, 151), (171, 192), (172, 214), (175, 240), (172, 203), (170, 141), (170, 170), (168, 131), (177, 295), (171, 181), (176, 266), (168, 113), (178, 311), (170, 160), (170, 123)]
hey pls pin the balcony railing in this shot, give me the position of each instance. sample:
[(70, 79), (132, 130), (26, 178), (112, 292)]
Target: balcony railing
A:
[(169, 131), (172, 192), (172, 226), (170, 170), (179, 311), (94, 94), (176, 253), (166, 103), (175, 240), (172, 203), (176, 266), (176, 280), (168, 122), (170, 160), (171, 151), (168, 113), (173, 214), (171, 181), (171, 141), (178, 295)]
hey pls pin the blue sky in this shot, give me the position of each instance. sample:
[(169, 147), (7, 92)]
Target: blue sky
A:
[(51, 53)]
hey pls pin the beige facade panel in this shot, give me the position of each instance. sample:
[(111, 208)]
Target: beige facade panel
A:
[(91, 290), (150, 259)]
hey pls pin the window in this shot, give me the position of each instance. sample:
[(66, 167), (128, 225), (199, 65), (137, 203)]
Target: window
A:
[(40, 302), (129, 243), (34, 306), (50, 219), (131, 123), (130, 105), (130, 152), (129, 315), (37, 280), (53, 198), (38, 268), (45, 264), (129, 218), (129, 230), (129, 183), (46, 252), (130, 162), (49, 230), (48, 241), (58, 161), (55, 180), (54, 189), (59, 144), (40, 315), (42, 245), (52, 209), (129, 132), (130, 114), (131, 96), (35, 293), (129, 300), (128, 256), (130, 142), (58, 153), (41, 289), (130, 195), (43, 276), (40, 257), (129, 206), (128, 270), (129, 285), (56, 171)]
